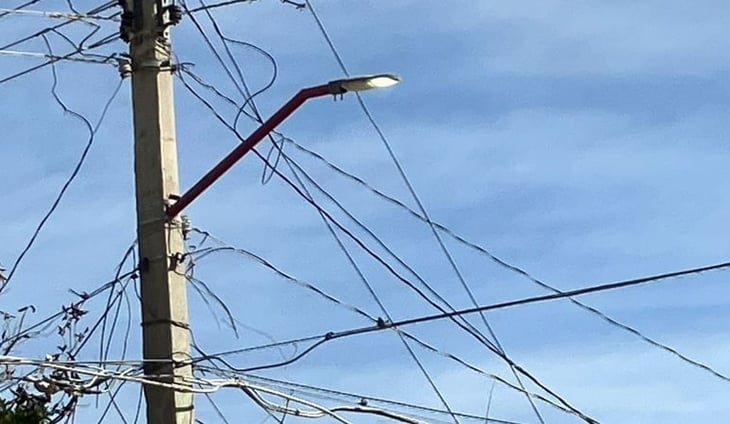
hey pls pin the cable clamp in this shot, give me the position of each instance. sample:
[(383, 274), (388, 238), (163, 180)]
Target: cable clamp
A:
[(124, 64)]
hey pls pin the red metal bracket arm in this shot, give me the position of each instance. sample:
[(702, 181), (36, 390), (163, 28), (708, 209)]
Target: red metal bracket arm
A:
[(236, 154)]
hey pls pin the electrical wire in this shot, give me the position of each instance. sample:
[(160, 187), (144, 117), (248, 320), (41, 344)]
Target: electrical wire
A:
[(296, 5), (371, 290), (239, 80), (250, 97), (205, 291), (39, 33), (89, 58), (416, 198), (362, 398), (506, 265), (383, 325), (301, 184), (18, 8), (92, 129), (107, 40), (401, 333), (104, 352), (470, 330), (56, 15), (306, 285), (465, 325)]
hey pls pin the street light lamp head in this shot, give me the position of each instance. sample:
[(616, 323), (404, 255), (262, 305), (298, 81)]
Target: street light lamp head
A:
[(362, 83)]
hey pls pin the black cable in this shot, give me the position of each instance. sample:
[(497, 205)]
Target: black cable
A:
[(249, 96), (216, 409), (110, 404), (319, 339), (131, 276), (213, 50), (399, 332), (496, 348), (198, 256), (185, 68), (113, 401), (103, 354), (44, 323), (506, 265), (418, 201), (92, 136), (216, 5), (471, 331), (72, 7), (489, 403), (210, 87), (239, 72), (569, 293), (206, 292), (383, 325), (357, 240), (240, 83), (391, 270), (232, 2), (95, 28), (371, 290), (464, 324), (240, 110), (138, 408)]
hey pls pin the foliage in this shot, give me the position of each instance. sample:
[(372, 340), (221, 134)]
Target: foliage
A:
[(30, 411)]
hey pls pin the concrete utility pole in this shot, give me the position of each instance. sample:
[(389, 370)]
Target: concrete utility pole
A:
[(163, 285)]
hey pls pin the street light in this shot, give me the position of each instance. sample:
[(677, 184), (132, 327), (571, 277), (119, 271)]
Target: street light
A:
[(337, 87), (367, 82)]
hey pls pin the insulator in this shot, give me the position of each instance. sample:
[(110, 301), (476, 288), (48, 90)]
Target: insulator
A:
[(125, 66)]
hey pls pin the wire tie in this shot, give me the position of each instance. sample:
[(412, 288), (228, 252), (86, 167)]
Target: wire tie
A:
[(383, 323)]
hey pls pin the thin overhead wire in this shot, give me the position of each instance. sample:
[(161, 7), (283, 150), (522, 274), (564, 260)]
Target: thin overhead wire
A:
[(363, 279), (466, 327), (349, 233), (58, 26), (239, 79), (401, 333), (10, 340), (321, 339), (18, 8), (363, 398), (383, 325), (212, 6), (507, 265), (104, 352), (89, 58), (92, 129), (56, 15), (417, 199), (198, 256), (79, 51), (312, 182)]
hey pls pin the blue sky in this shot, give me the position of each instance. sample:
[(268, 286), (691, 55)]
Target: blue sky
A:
[(582, 142)]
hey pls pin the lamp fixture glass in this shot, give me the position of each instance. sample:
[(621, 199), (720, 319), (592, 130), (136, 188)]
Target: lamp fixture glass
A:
[(362, 83)]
